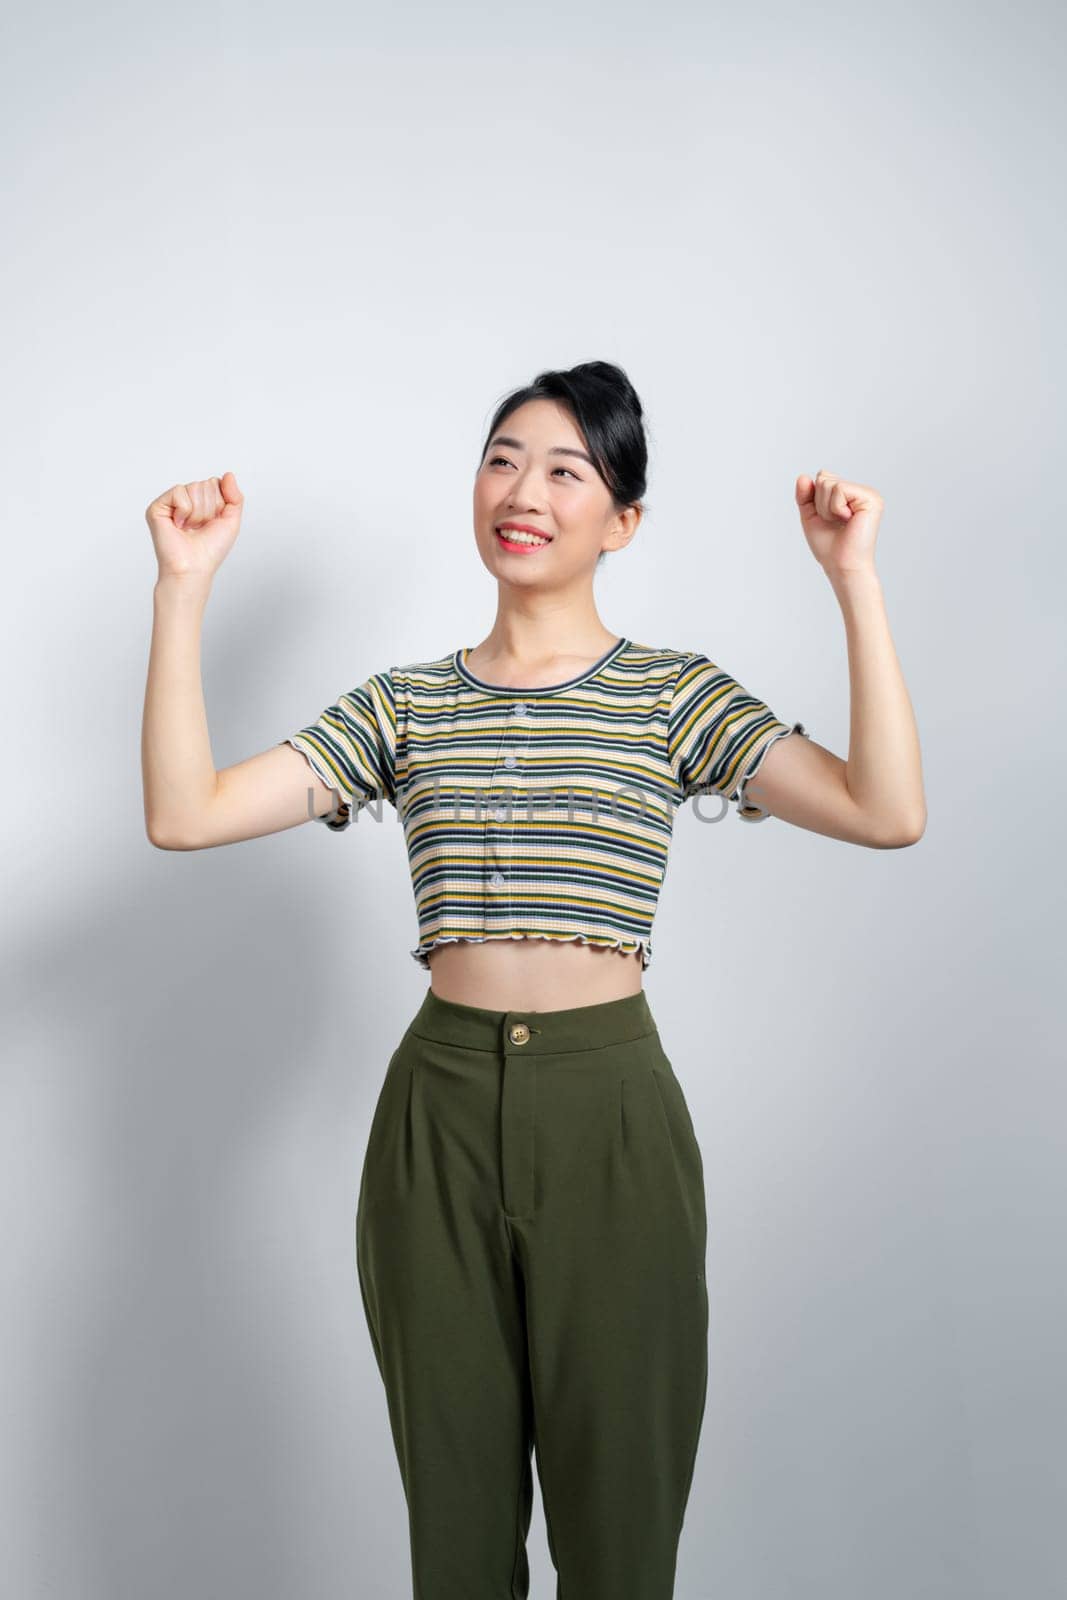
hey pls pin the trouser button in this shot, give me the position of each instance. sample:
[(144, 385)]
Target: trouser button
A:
[(518, 1033)]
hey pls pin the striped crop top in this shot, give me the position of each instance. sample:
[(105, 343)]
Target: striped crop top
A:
[(541, 813)]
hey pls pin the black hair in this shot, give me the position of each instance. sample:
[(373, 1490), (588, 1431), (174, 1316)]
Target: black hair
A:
[(607, 412)]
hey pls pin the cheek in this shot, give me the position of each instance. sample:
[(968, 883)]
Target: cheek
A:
[(483, 496)]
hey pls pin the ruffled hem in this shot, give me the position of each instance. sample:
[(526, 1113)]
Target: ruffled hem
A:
[(339, 818), (747, 809), (629, 944)]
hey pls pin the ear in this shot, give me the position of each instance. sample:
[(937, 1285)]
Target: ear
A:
[(624, 527)]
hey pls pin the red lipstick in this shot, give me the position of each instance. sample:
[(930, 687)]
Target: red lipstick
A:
[(515, 545)]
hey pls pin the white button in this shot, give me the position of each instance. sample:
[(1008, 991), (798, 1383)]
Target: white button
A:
[(511, 761), (497, 880), (521, 708), (501, 813)]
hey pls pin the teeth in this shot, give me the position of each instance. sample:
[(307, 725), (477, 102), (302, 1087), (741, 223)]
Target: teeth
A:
[(519, 536)]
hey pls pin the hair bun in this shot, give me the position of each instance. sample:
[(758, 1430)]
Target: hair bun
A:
[(613, 377)]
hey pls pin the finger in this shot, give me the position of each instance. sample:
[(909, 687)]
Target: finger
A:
[(202, 501), (194, 504), (218, 504), (232, 494), (181, 505), (839, 501)]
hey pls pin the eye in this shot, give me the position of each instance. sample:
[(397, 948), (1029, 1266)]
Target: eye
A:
[(494, 459)]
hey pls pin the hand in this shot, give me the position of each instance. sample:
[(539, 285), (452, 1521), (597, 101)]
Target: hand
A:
[(194, 525), (840, 522)]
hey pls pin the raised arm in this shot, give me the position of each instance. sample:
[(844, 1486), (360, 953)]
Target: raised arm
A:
[(188, 805), (876, 796)]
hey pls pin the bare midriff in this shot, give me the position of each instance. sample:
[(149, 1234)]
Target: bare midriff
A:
[(533, 974)]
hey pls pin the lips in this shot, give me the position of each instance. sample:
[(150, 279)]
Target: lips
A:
[(522, 527)]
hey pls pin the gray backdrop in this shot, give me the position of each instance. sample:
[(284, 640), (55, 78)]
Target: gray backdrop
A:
[(316, 245)]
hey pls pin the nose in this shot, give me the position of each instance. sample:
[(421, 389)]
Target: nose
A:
[(524, 492)]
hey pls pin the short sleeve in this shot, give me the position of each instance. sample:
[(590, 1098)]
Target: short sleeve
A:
[(718, 733), (351, 747)]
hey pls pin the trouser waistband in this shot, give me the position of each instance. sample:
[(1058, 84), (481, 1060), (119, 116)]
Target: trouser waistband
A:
[(533, 1032)]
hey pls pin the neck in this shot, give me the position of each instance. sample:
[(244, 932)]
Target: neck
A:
[(544, 631)]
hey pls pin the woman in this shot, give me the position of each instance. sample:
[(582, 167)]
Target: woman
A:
[(531, 1228)]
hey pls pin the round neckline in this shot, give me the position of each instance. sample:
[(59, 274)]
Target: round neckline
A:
[(459, 661)]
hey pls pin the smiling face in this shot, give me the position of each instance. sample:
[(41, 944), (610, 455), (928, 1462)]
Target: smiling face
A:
[(537, 472)]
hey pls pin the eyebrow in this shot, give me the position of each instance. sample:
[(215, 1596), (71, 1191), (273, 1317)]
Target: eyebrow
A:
[(557, 450)]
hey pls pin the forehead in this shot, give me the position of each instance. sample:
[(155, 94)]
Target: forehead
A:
[(542, 422)]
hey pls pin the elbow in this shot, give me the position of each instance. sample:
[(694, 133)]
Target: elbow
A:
[(165, 837), (899, 832)]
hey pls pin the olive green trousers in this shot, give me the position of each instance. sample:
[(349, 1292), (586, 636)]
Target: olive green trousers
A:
[(531, 1238)]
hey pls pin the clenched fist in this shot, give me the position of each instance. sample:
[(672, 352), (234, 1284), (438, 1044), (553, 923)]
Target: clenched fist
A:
[(194, 525)]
